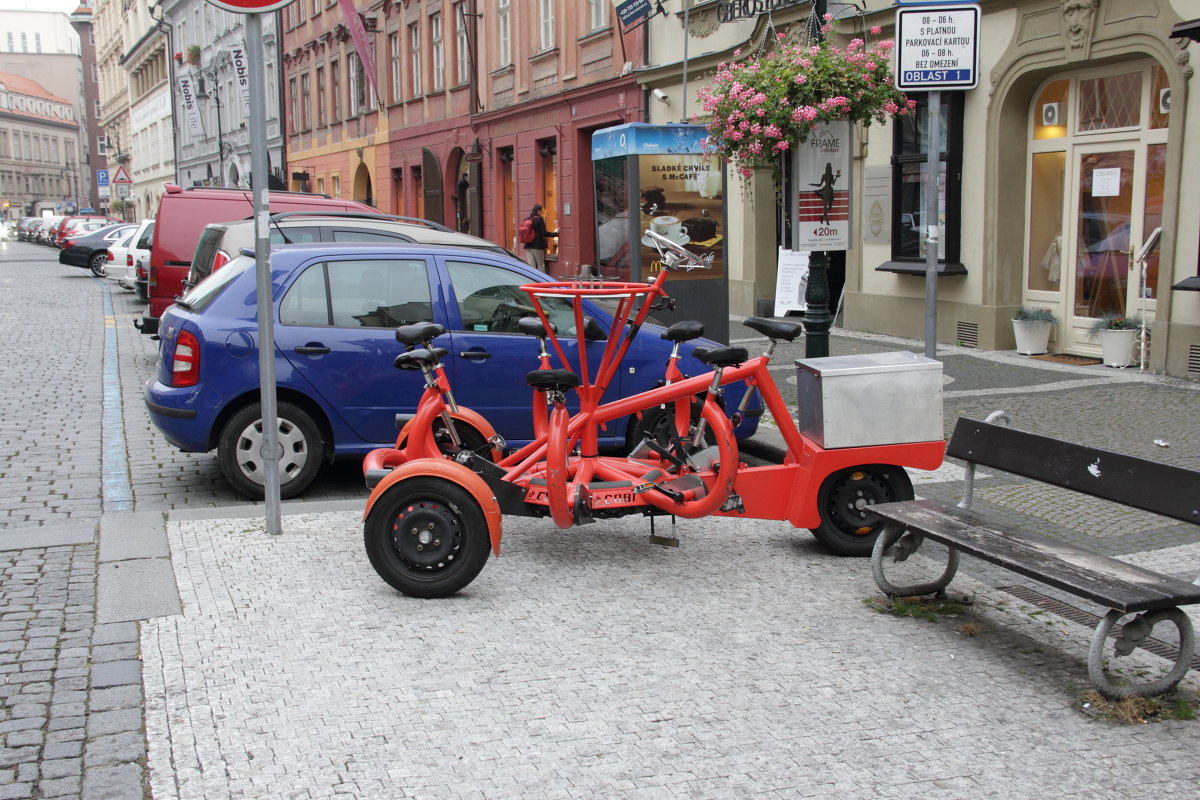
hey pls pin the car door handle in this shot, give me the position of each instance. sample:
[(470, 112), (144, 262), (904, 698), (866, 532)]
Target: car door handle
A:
[(312, 350), (474, 354)]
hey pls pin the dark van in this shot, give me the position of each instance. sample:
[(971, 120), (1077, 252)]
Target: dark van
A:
[(182, 215)]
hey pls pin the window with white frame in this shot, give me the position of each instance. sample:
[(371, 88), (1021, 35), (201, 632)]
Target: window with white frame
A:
[(505, 49), (462, 57), (414, 59), (546, 19), (597, 14), (437, 52), (394, 61), (320, 97)]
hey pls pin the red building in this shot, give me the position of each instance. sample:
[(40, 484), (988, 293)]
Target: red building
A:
[(479, 109)]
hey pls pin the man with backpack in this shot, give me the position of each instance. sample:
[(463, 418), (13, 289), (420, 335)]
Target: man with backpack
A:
[(532, 234)]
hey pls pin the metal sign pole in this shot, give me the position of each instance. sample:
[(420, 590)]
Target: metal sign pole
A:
[(933, 174), (262, 264)]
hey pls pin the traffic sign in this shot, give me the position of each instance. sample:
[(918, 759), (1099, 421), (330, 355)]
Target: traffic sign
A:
[(122, 190), (937, 47), (120, 175), (250, 6), (102, 177)]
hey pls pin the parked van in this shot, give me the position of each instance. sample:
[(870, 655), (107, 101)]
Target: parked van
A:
[(182, 215)]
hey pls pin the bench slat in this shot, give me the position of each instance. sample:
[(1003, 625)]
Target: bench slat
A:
[(1148, 485), (1103, 580)]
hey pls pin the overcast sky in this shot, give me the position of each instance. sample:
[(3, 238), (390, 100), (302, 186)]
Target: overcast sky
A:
[(65, 6)]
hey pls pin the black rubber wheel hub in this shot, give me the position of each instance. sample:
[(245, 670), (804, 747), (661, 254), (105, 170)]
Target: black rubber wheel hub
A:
[(851, 499), (426, 535)]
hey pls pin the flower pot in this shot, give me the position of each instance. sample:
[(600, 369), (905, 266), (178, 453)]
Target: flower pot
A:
[(1032, 335), (1116, 347)]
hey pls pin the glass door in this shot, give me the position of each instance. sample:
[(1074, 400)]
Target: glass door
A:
[(1110, 208)]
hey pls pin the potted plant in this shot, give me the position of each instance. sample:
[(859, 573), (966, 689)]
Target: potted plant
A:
[(193, 54), (1031, 327), (764, 105), (1117, 333)]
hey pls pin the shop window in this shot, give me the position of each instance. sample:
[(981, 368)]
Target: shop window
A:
[(1111, 101), (910, 148)]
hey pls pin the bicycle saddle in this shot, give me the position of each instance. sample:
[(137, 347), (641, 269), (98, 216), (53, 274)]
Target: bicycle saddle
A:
[(683, 331), (532, 326), (552, 380), (416, 359), (775, 329), (418, 332), (725, 356)]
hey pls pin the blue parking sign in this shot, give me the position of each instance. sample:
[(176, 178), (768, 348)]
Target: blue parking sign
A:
[(102, 177)]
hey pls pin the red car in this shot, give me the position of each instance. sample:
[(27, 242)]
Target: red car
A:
[(79, 226)]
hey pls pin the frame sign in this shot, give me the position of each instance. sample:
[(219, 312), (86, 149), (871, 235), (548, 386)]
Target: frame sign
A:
[(937, 47)]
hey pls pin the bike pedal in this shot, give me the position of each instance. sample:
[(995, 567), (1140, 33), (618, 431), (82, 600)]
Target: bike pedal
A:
[(664, 541)]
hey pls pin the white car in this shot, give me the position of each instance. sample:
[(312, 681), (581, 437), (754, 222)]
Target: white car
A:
[(123, 255)]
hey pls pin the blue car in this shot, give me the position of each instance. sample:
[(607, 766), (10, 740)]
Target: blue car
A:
[(336, 310)]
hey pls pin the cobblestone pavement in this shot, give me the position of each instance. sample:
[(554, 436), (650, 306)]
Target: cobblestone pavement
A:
[(579, 665)]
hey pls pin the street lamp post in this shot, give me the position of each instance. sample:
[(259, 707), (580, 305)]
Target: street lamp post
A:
[(817, 319), (203, 94)]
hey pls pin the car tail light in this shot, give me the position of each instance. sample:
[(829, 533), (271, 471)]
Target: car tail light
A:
[(141, 271), (185, 366), (129, 259), (220, 260), (110, 256)]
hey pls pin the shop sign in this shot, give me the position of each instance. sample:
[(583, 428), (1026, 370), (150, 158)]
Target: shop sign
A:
[(731, 10), (821, 177)]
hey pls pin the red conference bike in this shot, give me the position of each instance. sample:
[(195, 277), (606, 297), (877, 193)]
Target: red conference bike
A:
[(439, 496)]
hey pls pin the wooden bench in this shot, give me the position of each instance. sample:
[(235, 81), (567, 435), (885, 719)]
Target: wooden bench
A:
[(1122, 588)]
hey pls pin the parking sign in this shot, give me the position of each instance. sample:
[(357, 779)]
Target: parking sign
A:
[(102, 177), (937, 47)]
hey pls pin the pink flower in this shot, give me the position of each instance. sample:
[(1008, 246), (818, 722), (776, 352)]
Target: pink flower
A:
[(801, 79), (781, 145), (876, 30)]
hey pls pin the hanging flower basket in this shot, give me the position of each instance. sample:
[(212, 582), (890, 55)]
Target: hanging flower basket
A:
[(765, 105)]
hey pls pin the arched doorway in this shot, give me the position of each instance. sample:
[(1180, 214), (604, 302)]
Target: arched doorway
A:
[(234, 175), (363, 192), (1097, 171)]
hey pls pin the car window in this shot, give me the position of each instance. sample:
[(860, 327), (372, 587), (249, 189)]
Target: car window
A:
[(294, 235), (147, 238), (490, 299), (202, 293), (377, 293), (358, 235)]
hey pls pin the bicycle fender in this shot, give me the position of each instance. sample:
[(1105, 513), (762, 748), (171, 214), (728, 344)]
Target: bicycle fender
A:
[(464, 414), (452, 472)]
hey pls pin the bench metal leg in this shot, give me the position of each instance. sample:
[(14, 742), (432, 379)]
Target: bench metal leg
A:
[(1131, 634), (900, 545)]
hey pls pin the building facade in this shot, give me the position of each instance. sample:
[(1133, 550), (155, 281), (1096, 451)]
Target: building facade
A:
[(42, 47), (39, 147), (1066, 158), (478, 110), (135, 104), (210, 99)]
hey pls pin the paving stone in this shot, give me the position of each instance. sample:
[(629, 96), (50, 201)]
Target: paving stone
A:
[(116, 673)]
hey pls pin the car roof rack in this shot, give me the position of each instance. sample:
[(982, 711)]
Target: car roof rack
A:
[(437, 226)]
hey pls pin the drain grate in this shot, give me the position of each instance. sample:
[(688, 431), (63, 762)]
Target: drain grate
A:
[(1193, 362), (1088, 620)]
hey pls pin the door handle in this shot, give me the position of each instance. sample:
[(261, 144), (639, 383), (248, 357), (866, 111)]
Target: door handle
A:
[(312, 350), (474, 354)]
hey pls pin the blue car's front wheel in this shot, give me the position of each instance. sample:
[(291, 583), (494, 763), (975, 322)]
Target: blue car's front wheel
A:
[(242, 461)]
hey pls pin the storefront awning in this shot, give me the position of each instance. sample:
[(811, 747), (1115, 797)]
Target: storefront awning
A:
[(642, 138)]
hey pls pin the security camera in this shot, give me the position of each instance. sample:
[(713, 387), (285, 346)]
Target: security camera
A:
[(662, 96)]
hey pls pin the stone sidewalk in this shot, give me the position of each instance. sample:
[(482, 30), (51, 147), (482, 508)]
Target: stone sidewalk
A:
[(590, 663)]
